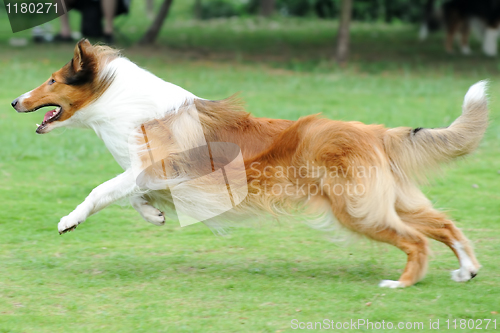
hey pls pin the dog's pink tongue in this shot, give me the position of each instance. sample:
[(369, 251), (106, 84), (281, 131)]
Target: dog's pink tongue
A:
[(48, 115)]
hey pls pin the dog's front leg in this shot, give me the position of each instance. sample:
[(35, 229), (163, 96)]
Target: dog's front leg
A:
[(147, 211), (103, 195)]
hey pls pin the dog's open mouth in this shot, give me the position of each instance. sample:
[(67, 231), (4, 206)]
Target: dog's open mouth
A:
[(49, 117)]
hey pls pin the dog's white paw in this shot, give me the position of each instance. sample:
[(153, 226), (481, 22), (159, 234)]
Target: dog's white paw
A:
[(390, 284), (463, 274), (68, 223), (147, 211), (152, 215)]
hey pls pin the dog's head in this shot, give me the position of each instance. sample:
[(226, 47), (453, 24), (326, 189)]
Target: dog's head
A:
[(70, 89)]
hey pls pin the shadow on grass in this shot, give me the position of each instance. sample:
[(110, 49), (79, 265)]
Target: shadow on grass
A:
[(180, 267)]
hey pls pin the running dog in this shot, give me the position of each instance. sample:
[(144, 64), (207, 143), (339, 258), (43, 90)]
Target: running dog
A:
[(101, 90)]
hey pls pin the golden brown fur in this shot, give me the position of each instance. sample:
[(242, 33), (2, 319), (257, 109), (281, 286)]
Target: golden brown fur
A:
[(391, 208)]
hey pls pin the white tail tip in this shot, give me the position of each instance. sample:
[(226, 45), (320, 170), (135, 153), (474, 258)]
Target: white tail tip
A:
[(476, 93)]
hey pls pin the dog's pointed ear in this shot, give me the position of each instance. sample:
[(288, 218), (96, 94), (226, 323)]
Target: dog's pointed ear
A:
[(82, 54)]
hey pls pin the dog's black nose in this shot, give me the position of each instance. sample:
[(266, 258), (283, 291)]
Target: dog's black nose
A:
[(14, 103)]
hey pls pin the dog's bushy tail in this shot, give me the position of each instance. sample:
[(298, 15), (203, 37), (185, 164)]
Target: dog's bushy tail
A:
[(413, 151)]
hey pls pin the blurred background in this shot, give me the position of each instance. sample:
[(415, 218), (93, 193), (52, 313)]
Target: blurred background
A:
[(303, 35)]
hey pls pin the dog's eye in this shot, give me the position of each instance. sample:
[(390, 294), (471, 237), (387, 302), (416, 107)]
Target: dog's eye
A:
[(51, 81)]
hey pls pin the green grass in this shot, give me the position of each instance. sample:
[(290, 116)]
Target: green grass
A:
[(117, 273)]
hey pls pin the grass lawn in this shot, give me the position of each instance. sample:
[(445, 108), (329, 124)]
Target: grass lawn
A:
[(117, 273)]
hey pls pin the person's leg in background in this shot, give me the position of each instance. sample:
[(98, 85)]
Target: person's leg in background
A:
[(65, 33), (109, 11)]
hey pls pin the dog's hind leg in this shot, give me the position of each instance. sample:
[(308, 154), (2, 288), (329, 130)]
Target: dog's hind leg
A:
[(396, 233), (453, 21), (436, 225), (414, 245), (451, 30), (147, 211), (465, 35), (450, 34)]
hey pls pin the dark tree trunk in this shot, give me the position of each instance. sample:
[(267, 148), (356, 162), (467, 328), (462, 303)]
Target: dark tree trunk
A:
[(267, 7), (343, 33), (150, 9), (197, 9), (153, 31), (388, 11)]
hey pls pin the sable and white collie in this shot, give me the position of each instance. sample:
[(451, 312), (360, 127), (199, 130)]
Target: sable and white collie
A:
[(101, 90), (459, 16)]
